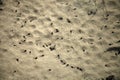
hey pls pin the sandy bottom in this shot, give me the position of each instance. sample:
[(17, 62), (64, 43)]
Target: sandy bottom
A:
[(59, 39)]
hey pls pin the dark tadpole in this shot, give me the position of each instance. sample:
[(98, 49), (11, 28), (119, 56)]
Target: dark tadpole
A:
[(113, 48), (17, 60), (1, 2), (49, 69), (68, 20), (1, 9), (60, 18), (111, 77), (63, 62), (118, 41), (35, 57), (58, 56), (52, 48)]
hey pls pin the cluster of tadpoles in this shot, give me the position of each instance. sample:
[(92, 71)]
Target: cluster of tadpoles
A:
[(68, 65)]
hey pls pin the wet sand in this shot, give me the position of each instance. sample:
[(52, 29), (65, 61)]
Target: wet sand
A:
[(59, 39)]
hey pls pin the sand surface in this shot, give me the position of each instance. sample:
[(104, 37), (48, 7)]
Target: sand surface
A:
[(59, 39)]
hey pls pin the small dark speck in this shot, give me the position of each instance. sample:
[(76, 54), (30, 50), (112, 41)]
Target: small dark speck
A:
[(20, 43), (80, 31), (17, 19), (106, 18), (60, 18), (61, 37), (91, 43), (18, 2), (14, 71), (118, 22), (68, 51), (117, 53), (25, 50), (67, 65), (22, 26), (66, 3), (51, 33), (113, 27), (24, 37), (74, 8), (106, 65), (72, 66), (14, 45), (30, 52), (36, 58), (28, 34), (15, 10), (81, 38), (42, 55), (113, 32), (110, 44), (71, 31), (58, 56), (51, 24), (35, 11), (100, 38), (105, 26), (24, 40), (25, 22), (76, 15), (107, 15), (83, 50), (4, 50), (48, 19), (61, 61), (49, 69), (46, 45), (43, 46)]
